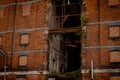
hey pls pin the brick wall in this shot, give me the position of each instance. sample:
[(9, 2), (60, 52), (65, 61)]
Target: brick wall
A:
[(97, 43), (35, 25)]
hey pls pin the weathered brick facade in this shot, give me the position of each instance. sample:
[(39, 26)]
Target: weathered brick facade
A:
[(27, 57), (99, 42), (13, 24)]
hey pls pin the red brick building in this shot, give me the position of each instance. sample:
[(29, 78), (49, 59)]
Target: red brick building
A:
[(101, 40), (24, 40), (24, 26), (23, 36), (64, 36)]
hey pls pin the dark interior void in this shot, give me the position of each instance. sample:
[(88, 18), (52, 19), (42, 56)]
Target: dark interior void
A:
[(69, 11), (74, 46), (72, 21), (115, 65), (73, 61), (73, 51), (59, 2)]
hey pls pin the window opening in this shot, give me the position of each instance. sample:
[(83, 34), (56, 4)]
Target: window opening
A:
[(26, 9), (114, 32), (113, 2), (23, 61), (24, 39)]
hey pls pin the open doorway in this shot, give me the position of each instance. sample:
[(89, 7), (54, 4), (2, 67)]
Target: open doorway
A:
[(73, 50), (66, 44)]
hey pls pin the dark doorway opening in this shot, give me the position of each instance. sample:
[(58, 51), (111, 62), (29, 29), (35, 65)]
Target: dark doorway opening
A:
[(72, 39), (73, 52), (66, 15)]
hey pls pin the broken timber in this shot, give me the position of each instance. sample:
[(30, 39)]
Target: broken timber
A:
[(65, 30)]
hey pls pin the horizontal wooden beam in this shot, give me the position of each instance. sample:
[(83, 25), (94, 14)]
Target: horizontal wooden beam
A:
[(65, 30), (69, 42)]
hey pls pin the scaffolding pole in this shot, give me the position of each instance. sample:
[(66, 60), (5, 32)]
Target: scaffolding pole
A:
[(92, 71)]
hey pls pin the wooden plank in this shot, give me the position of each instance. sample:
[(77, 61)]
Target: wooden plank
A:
[(65, 30)]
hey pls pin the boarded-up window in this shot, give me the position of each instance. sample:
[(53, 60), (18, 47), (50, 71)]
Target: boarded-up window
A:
[(114, 32), (24, 39), (23, 61), (1, 13), (21, 79), (115, 56), (26, 10), (115, 78), (113, 2)]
